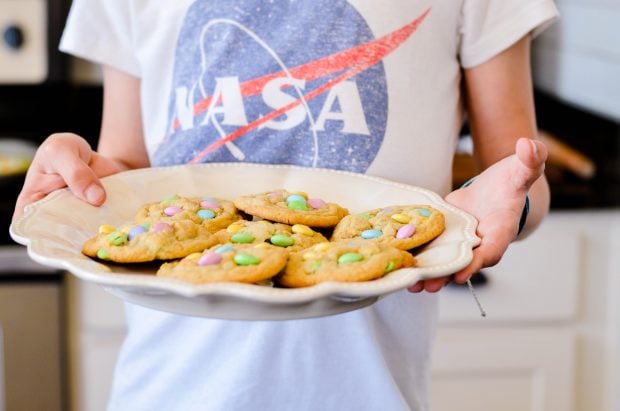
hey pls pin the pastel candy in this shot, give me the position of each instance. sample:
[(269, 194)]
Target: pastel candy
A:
[(242, 238), (246, 259), (223, 249), (282, 240), (371, 233), (206, 214), (136, 231), (405, 231), (210, 259), (209, 204), (350, 258), (172, 210), (316, 203), (160, 226)]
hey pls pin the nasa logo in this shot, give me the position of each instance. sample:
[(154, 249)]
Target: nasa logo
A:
[(300, 82)]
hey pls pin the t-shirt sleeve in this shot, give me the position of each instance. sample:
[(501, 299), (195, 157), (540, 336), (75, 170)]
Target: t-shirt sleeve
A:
[(101, 31), (491, 26)]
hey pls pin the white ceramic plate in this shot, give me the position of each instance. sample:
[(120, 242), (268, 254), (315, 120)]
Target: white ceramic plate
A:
[(55, 228)]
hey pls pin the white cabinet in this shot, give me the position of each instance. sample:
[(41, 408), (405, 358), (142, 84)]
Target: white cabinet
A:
[(549, 341)]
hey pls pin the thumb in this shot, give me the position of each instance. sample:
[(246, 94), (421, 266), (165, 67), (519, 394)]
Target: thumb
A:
[(531, 155)]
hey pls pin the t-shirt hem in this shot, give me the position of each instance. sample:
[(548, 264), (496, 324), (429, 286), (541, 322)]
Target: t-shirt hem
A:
[(533, 20), (97, 53)]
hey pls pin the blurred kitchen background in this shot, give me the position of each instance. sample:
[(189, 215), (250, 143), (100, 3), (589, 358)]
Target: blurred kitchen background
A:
[(550, 339)]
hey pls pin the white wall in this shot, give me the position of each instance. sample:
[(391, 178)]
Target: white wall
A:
[(578, 58)]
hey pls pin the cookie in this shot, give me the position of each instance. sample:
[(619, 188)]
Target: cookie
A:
[(138, 243), (293, 238), (346, 261), (213, 213), (247, 263), (288, 207), (404, 227)]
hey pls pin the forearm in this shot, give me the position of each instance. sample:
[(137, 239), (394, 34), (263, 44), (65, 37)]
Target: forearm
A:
[(121, 139)]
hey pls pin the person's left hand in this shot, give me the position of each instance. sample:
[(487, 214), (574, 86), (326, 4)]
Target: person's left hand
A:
[(496, 198)]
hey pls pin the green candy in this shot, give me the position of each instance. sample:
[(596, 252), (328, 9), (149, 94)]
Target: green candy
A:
[(246, 259), (103, 254), (117, 238), (350, 258), (365, 216), (298, 205), (314, 266), (242, 238), (389, 266), (169, 199), (282, 240)]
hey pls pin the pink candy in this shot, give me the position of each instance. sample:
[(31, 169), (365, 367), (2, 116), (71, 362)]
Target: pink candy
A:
[(170, 211), (159, 226), (208, 204), (316, 203), (405, 231), (210, 259)]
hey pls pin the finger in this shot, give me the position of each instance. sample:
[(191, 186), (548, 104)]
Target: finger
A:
[(78, 176), (36, 187), (435, 284), (487, 254), (466, 273), (417, 287)]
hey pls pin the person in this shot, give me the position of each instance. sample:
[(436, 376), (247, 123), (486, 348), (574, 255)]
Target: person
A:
[(351, 85)]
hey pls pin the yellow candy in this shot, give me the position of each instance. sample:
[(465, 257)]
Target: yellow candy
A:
[(194, 256), (106, 229), (321, 246), (309, 256), (401, 218), (261, 245), (234, 228), (302, 229)]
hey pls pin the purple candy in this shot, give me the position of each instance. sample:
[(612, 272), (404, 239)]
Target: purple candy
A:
[(210, 259), (172, 210), (135, 231), (316, 203), (405, 231)]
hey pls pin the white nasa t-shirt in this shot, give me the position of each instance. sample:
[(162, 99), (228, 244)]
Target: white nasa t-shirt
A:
[(364, 86)]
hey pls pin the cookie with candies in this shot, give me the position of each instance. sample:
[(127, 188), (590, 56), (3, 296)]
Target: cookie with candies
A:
[(213, 213), (292, 238), (404, 227), (138, 243), (247, 263), (289, 207), (346, 261)]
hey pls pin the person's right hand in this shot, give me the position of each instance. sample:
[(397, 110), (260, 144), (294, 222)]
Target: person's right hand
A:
[(65, 160)]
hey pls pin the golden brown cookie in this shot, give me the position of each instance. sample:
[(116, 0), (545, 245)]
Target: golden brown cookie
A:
[(247, 263), (288, 207), (293, 238), (137, 243), (346, 261), (213, 213), (403, 227)]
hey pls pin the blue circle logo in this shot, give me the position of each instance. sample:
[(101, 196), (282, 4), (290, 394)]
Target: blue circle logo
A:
[(297, 82)]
